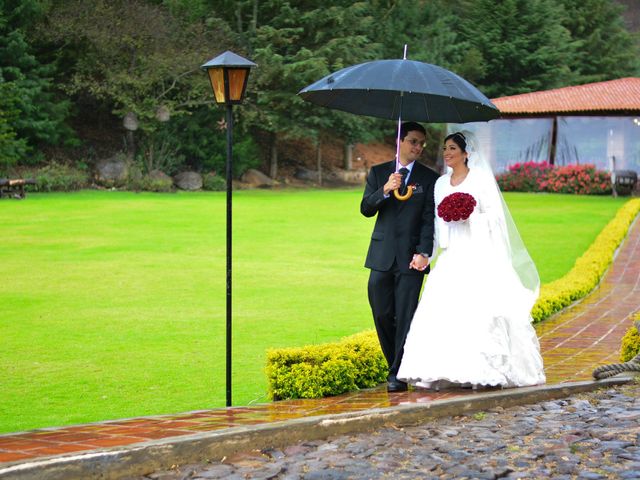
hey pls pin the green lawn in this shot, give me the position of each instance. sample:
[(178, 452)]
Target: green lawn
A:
[(113, 303)]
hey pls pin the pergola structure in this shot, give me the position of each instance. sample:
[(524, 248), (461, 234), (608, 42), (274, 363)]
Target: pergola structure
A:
[(596, 123)]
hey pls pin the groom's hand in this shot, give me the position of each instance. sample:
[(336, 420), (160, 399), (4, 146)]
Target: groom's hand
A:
[(419, 262), (394, 182)]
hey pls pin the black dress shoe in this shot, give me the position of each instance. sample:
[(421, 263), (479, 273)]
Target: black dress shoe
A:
[(396, 386)]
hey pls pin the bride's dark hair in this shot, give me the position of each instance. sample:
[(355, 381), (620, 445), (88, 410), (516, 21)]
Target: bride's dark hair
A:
[(460, 140)]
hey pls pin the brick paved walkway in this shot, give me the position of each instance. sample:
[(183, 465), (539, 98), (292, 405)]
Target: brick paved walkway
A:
[(572, 342)]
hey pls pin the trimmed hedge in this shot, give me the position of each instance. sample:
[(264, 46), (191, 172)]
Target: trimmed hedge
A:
[(588, 269), (357, 362), (631, 341), (330, 369)]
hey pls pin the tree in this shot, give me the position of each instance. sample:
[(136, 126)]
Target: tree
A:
[(135, 57), (522, 44), (430, 30), (32, 112), (12, 148), (295, 45), (604, 48)]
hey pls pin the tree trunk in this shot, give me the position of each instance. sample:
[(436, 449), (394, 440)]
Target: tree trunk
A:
[(239, 17), (273, 161), (319, 161), (254, 18), (131, 146), (348, 156)]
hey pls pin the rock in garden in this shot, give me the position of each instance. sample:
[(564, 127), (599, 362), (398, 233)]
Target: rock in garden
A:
[(188, 181), (306, 174), (256, 178), (111, 172), (356, 177)]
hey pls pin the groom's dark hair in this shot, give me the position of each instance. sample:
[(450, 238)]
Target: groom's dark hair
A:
[(407, 127)]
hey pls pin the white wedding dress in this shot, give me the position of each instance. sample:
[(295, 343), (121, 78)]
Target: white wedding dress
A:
[(473, 323)]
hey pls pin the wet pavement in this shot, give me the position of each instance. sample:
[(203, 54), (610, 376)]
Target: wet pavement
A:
[(587, 436), (573, 343)]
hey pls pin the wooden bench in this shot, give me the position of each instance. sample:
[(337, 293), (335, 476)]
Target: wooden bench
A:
[(14, 187)]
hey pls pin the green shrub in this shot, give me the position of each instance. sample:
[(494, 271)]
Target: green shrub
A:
[(323, 370), (213, 182), (159, 152), (631, 341), (202, 141), (56, 177), (151, 183)]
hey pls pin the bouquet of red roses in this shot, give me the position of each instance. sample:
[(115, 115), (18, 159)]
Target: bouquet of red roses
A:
[(456, 206)]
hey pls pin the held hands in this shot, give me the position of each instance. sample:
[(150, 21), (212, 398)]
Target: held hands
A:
[(394, 182), (419, 262)]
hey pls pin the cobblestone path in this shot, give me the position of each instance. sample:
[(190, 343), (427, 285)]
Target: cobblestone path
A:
[(587, 436)]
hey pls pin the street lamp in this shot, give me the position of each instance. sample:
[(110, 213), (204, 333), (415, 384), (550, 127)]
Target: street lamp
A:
[(228, 74)]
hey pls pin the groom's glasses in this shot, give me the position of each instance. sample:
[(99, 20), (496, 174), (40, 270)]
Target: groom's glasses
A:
[(416, 143)]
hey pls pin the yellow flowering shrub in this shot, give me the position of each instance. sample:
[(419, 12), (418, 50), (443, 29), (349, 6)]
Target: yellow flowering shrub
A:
[(588, 269), (631, 341), (330, 369)]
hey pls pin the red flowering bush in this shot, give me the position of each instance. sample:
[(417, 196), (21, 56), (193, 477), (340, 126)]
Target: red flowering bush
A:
[(524, 177), (544, 177), (582, 179), (457, 206)]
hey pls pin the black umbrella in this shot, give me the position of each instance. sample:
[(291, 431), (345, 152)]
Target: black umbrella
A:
[(404, 89)]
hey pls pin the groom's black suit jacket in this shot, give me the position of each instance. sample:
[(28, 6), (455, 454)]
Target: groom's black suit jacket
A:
[(402, 228)]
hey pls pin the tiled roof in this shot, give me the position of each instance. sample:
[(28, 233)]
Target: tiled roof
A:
[(622, 94)]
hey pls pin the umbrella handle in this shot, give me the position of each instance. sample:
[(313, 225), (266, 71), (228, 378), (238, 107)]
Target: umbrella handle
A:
[(405, 197)]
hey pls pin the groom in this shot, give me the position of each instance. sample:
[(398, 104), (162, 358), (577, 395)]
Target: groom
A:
[(401, 243)]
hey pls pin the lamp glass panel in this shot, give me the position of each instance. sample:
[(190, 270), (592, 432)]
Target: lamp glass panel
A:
[(216, 75), (237, 78)]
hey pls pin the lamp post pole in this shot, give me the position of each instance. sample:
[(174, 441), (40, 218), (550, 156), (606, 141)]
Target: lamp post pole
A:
[(228, 74), (229, 247)]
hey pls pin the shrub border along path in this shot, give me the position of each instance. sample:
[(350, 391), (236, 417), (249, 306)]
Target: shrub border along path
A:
[(335, 368)]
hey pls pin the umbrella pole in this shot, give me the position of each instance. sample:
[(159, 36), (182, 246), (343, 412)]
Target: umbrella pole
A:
[(398, 141), (409, 191)]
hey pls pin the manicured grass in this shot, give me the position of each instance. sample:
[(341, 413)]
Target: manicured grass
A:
[(113, 303)]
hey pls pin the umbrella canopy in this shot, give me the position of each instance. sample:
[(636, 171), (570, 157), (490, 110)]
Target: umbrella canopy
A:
[(406, 89)]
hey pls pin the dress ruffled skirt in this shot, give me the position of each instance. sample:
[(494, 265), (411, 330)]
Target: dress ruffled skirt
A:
[(473, 324)]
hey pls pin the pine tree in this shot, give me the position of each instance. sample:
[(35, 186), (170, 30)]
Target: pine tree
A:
[(604, 48), (522, 43), (29, 86), (295, 45)]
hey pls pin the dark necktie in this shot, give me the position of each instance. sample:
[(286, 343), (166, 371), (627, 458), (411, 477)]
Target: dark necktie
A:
[(404, 172)]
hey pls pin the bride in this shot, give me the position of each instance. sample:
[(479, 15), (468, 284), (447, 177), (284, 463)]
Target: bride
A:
[(473, 325)]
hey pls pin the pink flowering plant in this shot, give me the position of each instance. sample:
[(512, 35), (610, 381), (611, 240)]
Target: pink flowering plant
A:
[(544, 177), (524, 177), (581, 179)]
